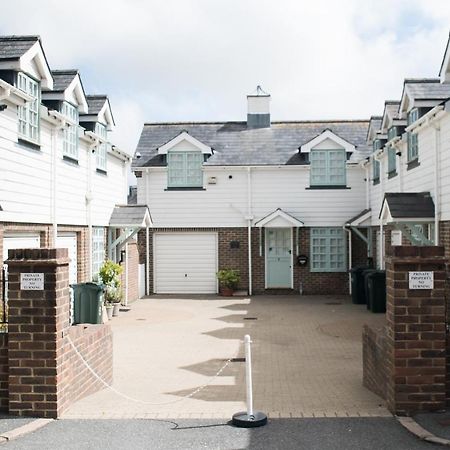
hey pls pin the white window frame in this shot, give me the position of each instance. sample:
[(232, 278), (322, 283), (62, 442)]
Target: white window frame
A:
[(102, 148), (98, 249), (184, 169), (413, 138), (328, 249), (70, 131), (28, 114), (325, 166)]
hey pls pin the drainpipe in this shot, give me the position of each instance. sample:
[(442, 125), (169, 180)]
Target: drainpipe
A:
[(126, 274), (249, 229), (437, 187), (147, 259), (349, 258), (91, 151)]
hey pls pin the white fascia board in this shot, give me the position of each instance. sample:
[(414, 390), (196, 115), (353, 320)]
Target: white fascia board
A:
[(184, 136), (76, 87), (404, 102), (385, 214), (327, 134), (118, 153), (36, 54), (358, 222), (107, 113), (96, 137), (290, 221), (12, 94), (436, 113), (444, 72)]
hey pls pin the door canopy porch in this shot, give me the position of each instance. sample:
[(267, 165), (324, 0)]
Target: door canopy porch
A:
[(279, 219), (409, 212)]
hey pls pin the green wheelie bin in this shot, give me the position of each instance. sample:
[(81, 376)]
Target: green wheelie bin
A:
[(377, 291), (358, 293), (87, 303), (365, 275)]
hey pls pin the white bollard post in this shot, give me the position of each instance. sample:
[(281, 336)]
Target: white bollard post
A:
[(249, 418)]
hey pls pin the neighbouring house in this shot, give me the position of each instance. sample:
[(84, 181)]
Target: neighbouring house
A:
[(294, 205), (60, 177)]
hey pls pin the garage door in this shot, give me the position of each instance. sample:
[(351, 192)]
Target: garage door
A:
[(20, 240), (69, 241), (185, 263)]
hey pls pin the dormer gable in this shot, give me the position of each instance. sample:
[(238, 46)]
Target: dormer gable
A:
[(184, 142), (390, 113), (67, 87), (327, 140), (422, 93), (99, 110), (25, 54)]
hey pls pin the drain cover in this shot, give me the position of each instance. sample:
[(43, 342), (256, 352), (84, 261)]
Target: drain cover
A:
[(250, 318), (333, 303), (237, 360), (141, 319)]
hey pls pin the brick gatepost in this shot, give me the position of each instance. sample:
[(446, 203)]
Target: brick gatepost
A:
[(38, 320), (416, 332)]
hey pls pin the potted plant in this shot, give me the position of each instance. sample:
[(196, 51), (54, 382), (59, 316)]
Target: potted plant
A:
[(228, 281), (109, 274)]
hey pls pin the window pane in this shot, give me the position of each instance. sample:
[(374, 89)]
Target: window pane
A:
[(28, 114), (327, 167), (184, 169), (328, 250)]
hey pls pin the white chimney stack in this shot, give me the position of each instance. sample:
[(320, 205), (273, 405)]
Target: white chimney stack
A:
[(258, 109)]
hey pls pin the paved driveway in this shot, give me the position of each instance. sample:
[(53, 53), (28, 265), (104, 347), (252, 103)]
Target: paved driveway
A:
[(307, 359)]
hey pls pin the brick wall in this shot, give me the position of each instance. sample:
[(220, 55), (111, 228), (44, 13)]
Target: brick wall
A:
[(416, 332), (374, 360), (237, 258), (133, 272), (45, 376), (4, 373)]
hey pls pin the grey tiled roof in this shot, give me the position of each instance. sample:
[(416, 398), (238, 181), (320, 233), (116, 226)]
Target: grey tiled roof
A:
[(62, 79), (427, 89), (234, 144), (391, 108), (96, 102), (128, 215), (358, 216), (410, 205), (13, 47)]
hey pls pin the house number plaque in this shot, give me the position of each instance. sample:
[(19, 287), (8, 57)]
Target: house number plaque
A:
[(421, 280), (31, 281)]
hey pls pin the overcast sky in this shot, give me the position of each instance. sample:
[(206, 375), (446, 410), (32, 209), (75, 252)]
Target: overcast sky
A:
[(188, 60)]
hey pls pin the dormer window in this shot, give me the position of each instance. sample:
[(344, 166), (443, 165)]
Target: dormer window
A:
[(101, 131), (29, 113), (184, 169), (70, 131), (328, 168), (413, 141)]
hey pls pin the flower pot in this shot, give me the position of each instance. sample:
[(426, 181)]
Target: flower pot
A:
[(109, 311), (116, 308), (226, 291)]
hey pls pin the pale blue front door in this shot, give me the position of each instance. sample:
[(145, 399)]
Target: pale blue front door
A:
[(278, 258)]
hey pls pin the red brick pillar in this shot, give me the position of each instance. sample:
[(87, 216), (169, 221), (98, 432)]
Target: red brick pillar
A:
[(38, 320), (416, 331)]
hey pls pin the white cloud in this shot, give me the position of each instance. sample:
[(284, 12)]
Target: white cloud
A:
[(195, 60)]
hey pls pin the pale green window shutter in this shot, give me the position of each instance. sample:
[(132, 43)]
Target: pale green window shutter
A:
[(413, 140), (328, 250), (392, 162), (328, 168), (185, 169)]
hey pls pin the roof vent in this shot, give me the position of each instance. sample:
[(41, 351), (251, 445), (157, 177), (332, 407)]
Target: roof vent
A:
[(258, 109)]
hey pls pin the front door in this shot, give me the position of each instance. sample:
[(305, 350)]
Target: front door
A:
[(278, 258)]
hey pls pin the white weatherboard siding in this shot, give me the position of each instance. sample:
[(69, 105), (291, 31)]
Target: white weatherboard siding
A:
[(444, 178), (224, 204), (185, 263), (26, 180)]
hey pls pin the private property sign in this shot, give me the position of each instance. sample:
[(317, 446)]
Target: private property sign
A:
[(31, 281), (421, 280)]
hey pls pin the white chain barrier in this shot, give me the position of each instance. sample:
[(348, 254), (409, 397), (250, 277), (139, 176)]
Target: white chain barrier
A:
[(137, 400)]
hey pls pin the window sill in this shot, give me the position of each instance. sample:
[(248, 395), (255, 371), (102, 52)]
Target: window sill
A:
[(23, 142), (392, 174), (185, 189), (328, 270), (101, 171), (412, 164), (70, 160), (327, 187), (376, 181)]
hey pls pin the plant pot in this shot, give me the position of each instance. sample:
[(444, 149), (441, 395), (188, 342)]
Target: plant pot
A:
[(116, 308), (226, 291), (109, 311)]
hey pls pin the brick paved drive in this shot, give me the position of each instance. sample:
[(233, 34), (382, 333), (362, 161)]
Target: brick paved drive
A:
[(307, 358)]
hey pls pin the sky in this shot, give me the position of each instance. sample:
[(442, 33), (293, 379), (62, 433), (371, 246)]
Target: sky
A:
[(196, 60)]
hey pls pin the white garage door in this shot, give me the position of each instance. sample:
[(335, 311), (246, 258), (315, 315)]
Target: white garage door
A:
[(69, 241), (20, 240), (185, 263)]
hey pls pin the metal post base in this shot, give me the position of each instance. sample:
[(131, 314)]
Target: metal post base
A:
[(243, 420)]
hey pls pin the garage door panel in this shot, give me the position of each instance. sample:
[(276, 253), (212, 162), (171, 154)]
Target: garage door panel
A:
[(19, 240), (185, 263)]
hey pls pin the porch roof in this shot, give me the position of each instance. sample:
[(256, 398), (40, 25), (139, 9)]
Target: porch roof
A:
[(130, 216), (360, 218), (407, 207), (279, 218)]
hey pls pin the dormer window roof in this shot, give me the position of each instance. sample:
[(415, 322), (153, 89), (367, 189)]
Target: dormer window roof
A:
[(25, 54), (68, 87), (422, 92), (99, 110), (329, 140), (186, 142), (390, 113)]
